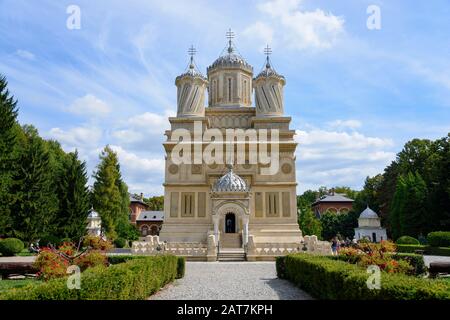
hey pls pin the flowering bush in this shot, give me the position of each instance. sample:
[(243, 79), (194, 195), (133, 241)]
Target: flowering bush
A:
[(97, 243), (380, 254), (91, 259), (50, 264)]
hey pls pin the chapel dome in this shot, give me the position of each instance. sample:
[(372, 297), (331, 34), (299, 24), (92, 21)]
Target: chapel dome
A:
[(93, 214), (230, 182), (231, 60), (268, 72), (368, 214)]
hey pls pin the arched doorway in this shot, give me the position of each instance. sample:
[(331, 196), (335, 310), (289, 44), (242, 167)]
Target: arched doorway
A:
[(230, 223), (154, 230), (144, 231)]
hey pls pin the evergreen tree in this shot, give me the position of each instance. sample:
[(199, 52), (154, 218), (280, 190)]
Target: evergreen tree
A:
[(8, 141), (74, 199), (34, 201), (110, 197)]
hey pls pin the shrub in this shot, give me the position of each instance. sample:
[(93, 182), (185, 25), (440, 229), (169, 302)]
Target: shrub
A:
[(407, 240), (11, 246), (436, 251), (91, 259), (116, 259), (120, 242), (439, 239), (97, 243), (181, 267), (50, 265), (136, 279), (415, 260), (326, 278)]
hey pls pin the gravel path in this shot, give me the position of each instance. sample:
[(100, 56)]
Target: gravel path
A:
[(231, 281)]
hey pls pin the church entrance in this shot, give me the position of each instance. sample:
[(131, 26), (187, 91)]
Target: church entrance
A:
[(230, 223)]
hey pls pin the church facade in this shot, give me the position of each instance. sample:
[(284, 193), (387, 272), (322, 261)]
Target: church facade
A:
[(234, 201)]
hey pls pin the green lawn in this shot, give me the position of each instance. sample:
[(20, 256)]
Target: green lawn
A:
[(10, 284)]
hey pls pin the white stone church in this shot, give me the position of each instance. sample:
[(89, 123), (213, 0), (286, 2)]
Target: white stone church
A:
[(228, 209)]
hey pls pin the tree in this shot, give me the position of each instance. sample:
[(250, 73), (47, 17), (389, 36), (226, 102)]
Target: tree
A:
[(309, 224), (409, 213), (109, 192), (34, 201), (74, 199), (155, 203), (8, 141)]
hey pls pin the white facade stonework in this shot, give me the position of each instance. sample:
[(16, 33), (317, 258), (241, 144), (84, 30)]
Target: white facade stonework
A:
[(219, 206)]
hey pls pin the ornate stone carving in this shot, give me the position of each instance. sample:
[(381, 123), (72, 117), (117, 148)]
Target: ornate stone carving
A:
[(173, 169)]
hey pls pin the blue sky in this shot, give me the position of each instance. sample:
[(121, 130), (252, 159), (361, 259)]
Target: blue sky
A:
[(355, 95)]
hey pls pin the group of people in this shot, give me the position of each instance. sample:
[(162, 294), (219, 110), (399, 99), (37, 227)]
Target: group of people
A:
[(336, 244)]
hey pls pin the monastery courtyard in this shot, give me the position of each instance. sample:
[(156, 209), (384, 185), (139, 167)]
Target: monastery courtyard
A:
[(231, 281)]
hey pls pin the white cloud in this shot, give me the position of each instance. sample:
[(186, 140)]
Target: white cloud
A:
[(301, 29), (25, 54), (89, 105), (260, 31), (78, 137), (330, 158)]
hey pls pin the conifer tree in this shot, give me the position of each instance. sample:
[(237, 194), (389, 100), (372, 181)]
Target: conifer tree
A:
[(8, 141), (109, 192), (74, 199), (34, 200)]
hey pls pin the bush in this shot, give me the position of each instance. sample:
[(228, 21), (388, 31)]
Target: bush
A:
[(50, 265), (407, 240), (181, 267), (97, 243), (415, 260), (91, 259), (11, 246), (326, 278), (120, 242), (435, 251), (122, 258), (439, 239), (136, 279)]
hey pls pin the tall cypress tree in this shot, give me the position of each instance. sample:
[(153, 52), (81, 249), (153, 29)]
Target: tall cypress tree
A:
[(108, 192), (74, 198), (8, 141)]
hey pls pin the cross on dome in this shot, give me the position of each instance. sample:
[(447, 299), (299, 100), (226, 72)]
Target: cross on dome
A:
[(192, 51), (230, 36), (267, 52)]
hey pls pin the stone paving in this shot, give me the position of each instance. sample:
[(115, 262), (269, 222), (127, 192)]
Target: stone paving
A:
[(231, 281)]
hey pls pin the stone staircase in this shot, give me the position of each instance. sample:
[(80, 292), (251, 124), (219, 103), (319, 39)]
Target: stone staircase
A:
[(231, 247)]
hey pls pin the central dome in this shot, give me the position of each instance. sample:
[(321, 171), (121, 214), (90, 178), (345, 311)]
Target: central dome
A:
[(231, 60), (230, 182)]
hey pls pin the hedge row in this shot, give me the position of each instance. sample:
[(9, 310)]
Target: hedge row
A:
[(439, 239), (116, 259), (436, 251), (136, 279), (325, 278)]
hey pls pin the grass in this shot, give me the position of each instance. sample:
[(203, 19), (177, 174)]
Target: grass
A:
[(6, 285)]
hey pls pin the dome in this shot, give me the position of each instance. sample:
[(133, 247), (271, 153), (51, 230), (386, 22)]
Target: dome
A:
[(231, 60), (191, 72), (368, 214), (269, 71), (93, 214), (230, 182)]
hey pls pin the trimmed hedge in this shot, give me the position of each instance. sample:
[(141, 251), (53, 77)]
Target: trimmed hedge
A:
[(136, 279), (116, 259), (11, 246), (181, 267), (326, 278), (407, 240), (439, 239), (435, 251)]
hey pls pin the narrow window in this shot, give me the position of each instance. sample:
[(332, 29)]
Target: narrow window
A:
[(229, 89)]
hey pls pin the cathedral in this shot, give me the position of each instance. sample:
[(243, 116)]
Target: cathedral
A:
[(229, 201)]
